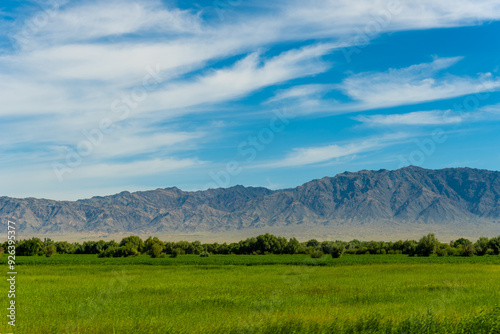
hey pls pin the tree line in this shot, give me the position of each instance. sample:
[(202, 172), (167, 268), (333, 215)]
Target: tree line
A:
[(260, 245)]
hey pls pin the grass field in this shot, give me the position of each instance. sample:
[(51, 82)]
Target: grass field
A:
[(256, 294)]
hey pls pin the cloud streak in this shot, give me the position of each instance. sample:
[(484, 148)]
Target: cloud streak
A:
[(321, 154)]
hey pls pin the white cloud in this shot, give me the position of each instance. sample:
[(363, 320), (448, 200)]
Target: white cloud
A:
[(320, 154), (246, 76), (411, 85), (365, 16), (434, 117), (300, 92), (83, 21), (395, 87)]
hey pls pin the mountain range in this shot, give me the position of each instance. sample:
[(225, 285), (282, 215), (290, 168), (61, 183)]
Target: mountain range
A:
[(365, 204)]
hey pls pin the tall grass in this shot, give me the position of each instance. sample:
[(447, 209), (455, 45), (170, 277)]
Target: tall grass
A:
[(248, 260), (84, 294)]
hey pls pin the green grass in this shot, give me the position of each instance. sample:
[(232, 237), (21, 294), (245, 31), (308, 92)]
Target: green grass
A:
[(239, 294), (248, 260)]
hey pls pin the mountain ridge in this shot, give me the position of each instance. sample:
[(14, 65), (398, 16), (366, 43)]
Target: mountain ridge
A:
[(410, 197)]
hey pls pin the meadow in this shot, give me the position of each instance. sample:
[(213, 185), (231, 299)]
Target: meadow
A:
[(256, 294)]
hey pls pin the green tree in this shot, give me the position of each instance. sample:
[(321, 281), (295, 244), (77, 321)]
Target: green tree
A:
[(335, 249), (213, 248), (460, 242), (185, 246), (169, 246), (195, 248), (110, 244), (494, 244), (468, 249), (373, 247), (134, 241), (293, 246), (109, 252), (427, 245), (29, 247), (444, 250), (153, 242), (312, 243), (156, 250), (64, 247), (268, 243), (410, 247), (100, 246), (481, 246)]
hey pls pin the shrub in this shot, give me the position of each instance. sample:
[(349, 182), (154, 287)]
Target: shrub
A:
[(442, 252), (117, 252), (175, 252), (129, 250), (310, 250), (316, 254), (337, 250), (50, 250), (108, 252), (362, 250), (204, 254)]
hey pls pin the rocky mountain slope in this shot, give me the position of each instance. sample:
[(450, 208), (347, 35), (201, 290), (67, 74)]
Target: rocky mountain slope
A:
[(454, 197)]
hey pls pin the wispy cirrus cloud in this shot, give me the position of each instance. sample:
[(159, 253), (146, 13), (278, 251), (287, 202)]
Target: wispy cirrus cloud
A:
[(415, 84), (303, 156), (246, 76), (395, 87), (433, 117)]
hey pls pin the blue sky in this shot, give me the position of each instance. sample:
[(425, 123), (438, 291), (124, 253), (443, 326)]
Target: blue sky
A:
[(99, 97)]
